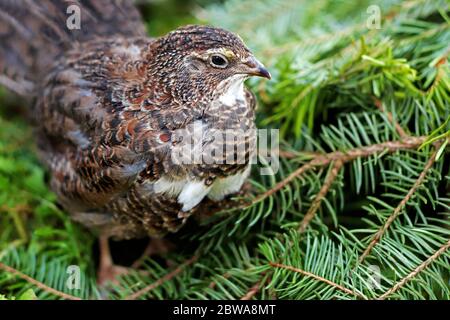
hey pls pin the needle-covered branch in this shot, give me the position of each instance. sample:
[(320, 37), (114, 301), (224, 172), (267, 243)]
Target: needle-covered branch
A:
[(343, 157), (37, 283), (398, 210)]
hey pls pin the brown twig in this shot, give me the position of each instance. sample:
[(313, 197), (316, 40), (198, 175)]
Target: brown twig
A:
[(312, 275), (291, 155), (379, 105), (37, 283), (252, 291), (280, 185), (322, 193), (160, 281), (286, 154), (398, 209), (416, 271), (344, 157)]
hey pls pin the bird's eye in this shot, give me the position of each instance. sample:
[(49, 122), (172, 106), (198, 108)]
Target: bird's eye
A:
[(218, 61)]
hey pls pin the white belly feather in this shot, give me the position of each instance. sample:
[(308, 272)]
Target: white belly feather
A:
[(191, 192)]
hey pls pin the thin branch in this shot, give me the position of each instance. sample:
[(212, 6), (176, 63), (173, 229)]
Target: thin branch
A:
[(291, 155), (322, 193), (398, 209), (160, 281), (280, 185), (252, 291), (314, 276), (37, 283), (344, 157), (416, 271), (379, 105)]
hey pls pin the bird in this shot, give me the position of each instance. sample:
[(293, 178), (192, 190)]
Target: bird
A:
[(123, 121)]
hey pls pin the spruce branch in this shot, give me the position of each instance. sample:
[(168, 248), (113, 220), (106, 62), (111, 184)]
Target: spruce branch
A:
[(319, 197), (37, 283), (343, 157), (312, 275), (165, 278), (416, 271), (291, 155), (401, 205), (344, 82)]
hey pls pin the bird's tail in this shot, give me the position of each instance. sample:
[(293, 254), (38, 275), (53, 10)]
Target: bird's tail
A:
[(34, 32)]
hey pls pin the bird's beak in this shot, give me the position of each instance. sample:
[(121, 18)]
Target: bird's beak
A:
[(255, 68)]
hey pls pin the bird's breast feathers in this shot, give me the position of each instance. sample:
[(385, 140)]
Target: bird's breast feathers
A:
[(190, 192)]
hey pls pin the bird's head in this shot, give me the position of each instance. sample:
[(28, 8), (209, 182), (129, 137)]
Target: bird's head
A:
[(202, 61)]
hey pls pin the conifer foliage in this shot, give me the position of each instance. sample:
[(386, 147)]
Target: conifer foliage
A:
[(360, 208)]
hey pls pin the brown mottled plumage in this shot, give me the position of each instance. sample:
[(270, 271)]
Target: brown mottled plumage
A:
[(111, 106)]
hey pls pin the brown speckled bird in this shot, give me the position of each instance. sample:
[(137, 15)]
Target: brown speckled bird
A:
[(111, 106)]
